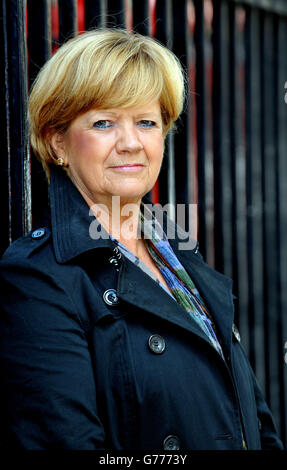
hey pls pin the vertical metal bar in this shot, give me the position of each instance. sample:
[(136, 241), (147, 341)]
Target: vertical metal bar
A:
[(116, 13), (281, 198), (164, 22), (201, 124), (181, 136), (39, 50), (39, 35), (221, 140), (16, 69), (254, 199), (269, 213), (281, 87), (141, 21), (192, 149), (232, 128), (164, 35), (209, 157), (68, 23), (95, 13), (5, 232), (238, 168)]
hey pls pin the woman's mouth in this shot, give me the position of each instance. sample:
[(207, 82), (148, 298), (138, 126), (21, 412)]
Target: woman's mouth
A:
[(128, 167)]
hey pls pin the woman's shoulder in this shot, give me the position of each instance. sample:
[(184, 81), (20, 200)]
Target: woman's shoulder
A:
[(32, 283), (26, 247), (37, 295), (29, 257), (33, 257)]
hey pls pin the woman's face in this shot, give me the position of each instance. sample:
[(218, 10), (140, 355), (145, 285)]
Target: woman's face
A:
[(113, 152)]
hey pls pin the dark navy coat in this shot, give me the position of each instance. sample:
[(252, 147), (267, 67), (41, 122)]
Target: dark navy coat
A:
[(85, 369)]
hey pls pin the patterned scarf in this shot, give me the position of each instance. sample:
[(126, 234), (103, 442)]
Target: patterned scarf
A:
[(177, 279)]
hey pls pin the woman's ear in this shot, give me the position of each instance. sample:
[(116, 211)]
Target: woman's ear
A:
[(57, 143)]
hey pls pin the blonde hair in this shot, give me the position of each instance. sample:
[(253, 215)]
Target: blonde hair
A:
[(103, 68)]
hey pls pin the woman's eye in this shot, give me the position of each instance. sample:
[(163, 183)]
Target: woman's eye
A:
[(146, 123), (102, 124)]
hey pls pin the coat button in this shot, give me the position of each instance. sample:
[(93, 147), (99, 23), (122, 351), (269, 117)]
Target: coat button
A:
[(110, 297), (156, 344), (171, 443), (39, 233), (114, 262)]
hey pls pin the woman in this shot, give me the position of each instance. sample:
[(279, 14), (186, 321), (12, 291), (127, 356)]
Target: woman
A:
[(112, 337)]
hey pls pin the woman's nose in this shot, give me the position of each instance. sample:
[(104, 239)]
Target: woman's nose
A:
[(128, 140)]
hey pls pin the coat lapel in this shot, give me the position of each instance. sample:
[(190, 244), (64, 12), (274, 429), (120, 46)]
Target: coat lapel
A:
[(138, 289), (216, 290)]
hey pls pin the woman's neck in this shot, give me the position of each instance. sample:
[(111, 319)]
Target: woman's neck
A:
[(120, 219)]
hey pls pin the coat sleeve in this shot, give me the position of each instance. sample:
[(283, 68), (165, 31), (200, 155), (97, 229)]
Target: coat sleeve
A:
[(48, 393), (268, 433)]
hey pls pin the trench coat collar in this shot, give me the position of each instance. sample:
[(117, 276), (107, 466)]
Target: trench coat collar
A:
[(71, 219)]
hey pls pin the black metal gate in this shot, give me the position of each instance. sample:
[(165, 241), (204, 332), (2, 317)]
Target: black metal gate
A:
[(229, 155)]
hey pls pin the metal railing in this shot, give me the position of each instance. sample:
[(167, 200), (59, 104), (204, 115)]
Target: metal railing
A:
[(228, 154)]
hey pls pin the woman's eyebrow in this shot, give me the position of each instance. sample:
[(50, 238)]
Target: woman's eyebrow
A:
[(105, 112), (102, 111), (149, 114)]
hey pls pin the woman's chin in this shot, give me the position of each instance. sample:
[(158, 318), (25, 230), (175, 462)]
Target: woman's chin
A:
[(129, 194), (129, 197)]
